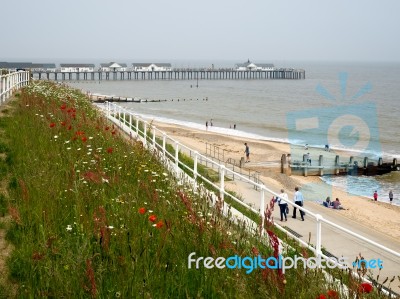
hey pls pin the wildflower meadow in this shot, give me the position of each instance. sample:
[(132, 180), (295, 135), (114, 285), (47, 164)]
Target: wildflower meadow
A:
[(93, 214)]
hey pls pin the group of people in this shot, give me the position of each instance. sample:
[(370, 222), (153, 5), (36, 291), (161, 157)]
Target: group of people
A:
[(283, 199), (336, 204), (375, 196)]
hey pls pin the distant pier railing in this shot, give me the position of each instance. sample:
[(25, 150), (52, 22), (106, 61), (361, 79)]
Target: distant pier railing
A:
[(337, 167), (10, 82), (175, 74)]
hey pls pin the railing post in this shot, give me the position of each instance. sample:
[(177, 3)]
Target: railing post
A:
[(145, 132), (222, 182), (137, 126), (318, 251), (262, 208), (177, 154), (196, 154), (154, 137), (163, 143), (130, 121)]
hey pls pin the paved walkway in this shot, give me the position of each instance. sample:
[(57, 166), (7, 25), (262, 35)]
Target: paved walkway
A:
[(336, 242)]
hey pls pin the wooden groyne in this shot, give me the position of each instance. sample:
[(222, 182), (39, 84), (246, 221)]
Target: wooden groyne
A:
[(96, 98), (176, 74), (336, 167)]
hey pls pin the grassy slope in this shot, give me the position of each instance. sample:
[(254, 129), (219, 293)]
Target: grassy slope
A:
[(75, 194)]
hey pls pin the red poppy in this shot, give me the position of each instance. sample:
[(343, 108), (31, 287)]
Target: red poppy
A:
[(63, 123), (63, 107), (69, 127), (113, 132), (79, 133), (142, 211), (365, 287), (153, 218), (84, 139), (52, 125), (332, 294), (321, 296), (107, 128), (159, 224), (255, 251), (110, 150)]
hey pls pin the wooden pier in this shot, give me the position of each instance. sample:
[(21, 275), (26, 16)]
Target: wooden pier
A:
[(336, 167), (175, 74)]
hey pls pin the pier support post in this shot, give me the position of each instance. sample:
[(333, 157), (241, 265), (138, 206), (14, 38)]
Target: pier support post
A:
[(305, 163), (289, 162), (380, 162), (321, 164), (351, 165), (365, 162), (283, 163), (337, 167)]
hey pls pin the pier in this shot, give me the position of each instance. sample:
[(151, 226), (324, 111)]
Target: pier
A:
[(174, 74), (335, 166)]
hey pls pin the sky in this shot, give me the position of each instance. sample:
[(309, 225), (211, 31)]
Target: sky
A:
[(161, 31)]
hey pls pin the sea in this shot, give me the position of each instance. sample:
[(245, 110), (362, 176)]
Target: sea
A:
[(347, 105)]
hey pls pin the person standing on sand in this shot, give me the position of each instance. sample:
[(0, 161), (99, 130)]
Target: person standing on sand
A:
[(247, 152), (376, 195), (298, 200), (391, 196), (206, 125), (282, 201)]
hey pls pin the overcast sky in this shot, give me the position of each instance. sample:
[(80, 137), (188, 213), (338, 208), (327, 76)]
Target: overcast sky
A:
[(264, 30)]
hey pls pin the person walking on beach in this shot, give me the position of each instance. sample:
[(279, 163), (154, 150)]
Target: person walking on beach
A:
[(282, 201), (298, 200), (391, 196), (206, 125), (308, 158), (376, 195), (247, 152)]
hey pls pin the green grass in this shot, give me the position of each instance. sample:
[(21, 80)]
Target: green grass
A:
[(75, 190)]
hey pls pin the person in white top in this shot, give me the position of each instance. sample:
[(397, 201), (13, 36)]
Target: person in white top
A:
[(298, 200), (282, 201)]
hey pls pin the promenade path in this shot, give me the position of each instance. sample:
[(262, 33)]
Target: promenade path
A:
[(337, 243)]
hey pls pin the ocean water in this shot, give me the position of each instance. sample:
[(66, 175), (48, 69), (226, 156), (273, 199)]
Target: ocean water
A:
[(351, 106)]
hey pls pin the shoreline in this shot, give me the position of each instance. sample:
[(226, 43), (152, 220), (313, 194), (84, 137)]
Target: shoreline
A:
[(380, 215)]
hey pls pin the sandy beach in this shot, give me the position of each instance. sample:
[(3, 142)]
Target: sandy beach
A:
[(265, 158)]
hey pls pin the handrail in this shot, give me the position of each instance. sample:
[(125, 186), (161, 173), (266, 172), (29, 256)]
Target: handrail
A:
[(118, 114), (11, 82)]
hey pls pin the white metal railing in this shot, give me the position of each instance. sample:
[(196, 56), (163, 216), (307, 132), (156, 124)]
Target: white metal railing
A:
[(151, 136), (11, 82)]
